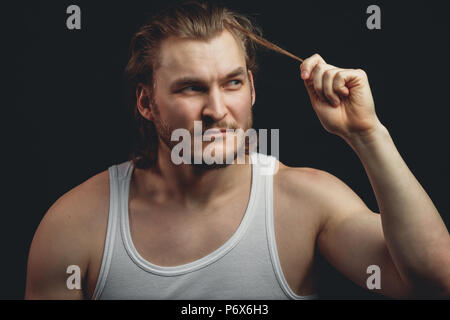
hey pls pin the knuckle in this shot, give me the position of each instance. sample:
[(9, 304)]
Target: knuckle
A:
[(327, 74), (319, 68), (328, 95), (339, 76), (318, 89), (362, 73), (306, 65)]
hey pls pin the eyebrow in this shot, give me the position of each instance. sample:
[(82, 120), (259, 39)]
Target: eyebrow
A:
[(186, 81)]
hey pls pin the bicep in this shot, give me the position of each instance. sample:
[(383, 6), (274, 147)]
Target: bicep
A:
[(56, 245), (352, 240)]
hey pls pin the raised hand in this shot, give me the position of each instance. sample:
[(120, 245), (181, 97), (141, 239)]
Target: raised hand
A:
[(341, 98)]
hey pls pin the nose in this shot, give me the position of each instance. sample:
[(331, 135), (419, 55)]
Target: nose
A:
[(215, 107)]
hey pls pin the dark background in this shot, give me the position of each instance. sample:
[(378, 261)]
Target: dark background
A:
[(65, 119)]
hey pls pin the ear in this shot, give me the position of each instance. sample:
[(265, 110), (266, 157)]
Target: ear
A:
[(143, 101), (252, 87)]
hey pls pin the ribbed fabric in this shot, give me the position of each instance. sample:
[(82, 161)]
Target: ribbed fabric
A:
[(245, 267)]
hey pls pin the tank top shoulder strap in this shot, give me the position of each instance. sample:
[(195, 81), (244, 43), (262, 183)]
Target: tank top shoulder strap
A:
[(269, 167), (117, 173)]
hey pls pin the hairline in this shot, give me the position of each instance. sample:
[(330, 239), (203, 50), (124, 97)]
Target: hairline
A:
[(157, 58)]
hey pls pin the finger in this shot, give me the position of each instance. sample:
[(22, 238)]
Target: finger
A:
[(317, 79), (328, 89), (339, 83), (309, 64), (345, 79)]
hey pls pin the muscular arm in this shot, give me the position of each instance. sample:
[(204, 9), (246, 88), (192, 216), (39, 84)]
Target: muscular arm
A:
[(67, 235), (56, 245), (348, 234), (351, 238), (409, 236), (416, 236), (407, 240)]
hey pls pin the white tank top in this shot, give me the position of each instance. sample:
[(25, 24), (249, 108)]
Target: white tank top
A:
[(245, 267)]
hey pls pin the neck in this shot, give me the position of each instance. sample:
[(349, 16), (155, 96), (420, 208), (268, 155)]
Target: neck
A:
[(195, 185)]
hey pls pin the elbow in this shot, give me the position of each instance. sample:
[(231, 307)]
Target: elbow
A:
[(435, 282)]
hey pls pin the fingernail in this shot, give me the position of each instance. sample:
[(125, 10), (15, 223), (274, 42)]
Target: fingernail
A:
[(304, 74)]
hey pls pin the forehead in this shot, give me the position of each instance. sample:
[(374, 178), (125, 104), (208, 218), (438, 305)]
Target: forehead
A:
[(203, 58)]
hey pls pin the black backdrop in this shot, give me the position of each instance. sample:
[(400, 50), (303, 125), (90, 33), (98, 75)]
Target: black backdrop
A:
[(65, 118)]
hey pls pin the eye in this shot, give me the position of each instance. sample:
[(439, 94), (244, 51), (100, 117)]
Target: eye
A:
[(192, 89), (233, 84)]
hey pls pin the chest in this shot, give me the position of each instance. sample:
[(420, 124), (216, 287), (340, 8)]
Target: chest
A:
[(170, 235), (171, 238), (166, 235)]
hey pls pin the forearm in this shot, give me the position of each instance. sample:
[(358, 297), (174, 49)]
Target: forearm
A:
[(416, 236)]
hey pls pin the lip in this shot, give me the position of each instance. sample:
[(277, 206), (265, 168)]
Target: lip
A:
[(215, 132)]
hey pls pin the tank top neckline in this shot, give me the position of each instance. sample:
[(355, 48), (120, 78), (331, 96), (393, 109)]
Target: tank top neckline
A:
[(206, 260)]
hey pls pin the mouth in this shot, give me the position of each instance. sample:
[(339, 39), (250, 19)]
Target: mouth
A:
[(215, 132)]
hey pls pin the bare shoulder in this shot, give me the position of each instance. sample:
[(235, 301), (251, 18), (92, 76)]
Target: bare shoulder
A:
[(70, 231), (324, 193), (94, 192), (304, 182), (84, 205)]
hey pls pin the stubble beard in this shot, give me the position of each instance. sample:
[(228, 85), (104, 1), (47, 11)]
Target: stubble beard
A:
[(164, 132)]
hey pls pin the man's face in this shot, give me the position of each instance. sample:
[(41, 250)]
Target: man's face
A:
[(205, 81)]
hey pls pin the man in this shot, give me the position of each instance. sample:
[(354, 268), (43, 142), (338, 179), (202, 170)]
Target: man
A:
[(153, 229)]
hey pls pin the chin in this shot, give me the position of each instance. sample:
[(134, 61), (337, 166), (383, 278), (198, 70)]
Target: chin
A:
[(217, 156)]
